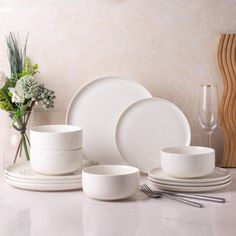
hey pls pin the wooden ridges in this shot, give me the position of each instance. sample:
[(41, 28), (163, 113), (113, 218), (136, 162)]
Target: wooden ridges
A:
[(227, 109)]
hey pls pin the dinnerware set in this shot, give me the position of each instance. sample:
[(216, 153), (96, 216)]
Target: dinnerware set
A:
[(126, 131)]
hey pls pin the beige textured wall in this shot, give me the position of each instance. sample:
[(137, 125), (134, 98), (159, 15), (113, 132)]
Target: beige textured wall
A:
[(169, 46)]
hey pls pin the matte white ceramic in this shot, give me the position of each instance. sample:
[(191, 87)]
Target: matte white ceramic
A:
[(43, 186), (97, 107), (56, 137), (110, 182), (189, 184), (217, 175), (29, 181), (24, 171), (146, 127), (188, 162), (55, 162), (189, 189)]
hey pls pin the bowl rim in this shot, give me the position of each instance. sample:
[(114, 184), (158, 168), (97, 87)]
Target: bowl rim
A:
[(68, 129), (133, 170), (171, 151)]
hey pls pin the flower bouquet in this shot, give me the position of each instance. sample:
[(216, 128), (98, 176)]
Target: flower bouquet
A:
[(20, 92)]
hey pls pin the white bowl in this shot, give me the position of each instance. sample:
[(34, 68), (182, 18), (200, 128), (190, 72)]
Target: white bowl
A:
[(55, 162), (110, 182), (187, 162), (56, 137)]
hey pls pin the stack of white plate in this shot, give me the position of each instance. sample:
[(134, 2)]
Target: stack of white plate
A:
[(219, 179), (22, 176)]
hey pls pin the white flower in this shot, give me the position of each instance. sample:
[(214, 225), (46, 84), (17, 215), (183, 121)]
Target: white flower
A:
[(3, 79), (15, 97)]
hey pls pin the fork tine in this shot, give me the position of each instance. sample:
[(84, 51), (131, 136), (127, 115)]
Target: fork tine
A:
[(142, 187), (148, 189)]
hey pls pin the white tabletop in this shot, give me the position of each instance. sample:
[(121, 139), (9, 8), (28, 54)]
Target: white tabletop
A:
[(28, 213)]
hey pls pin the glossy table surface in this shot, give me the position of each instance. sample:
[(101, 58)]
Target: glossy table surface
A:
[(28, 213)]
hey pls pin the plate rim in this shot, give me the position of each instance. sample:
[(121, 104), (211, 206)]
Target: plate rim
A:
[(97, 80), (39, 177), (193, 180), (188, 128)]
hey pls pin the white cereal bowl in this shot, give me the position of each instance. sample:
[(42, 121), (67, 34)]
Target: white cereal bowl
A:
[(56, 137), (188, 162), (55, 162), (110, 182)]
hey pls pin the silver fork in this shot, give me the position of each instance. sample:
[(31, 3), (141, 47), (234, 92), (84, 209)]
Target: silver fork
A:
[(151, 194)]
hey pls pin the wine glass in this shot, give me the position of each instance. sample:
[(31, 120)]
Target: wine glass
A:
[(208, 109)]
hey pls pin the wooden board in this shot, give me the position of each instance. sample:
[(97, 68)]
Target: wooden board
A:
[(227, 109)]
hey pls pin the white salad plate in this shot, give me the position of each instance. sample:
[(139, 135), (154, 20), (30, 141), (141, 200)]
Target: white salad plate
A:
[(146, 127), (170, 183), (23, 170), (218, 175), (96, 108), (44, 187), (189, 188)]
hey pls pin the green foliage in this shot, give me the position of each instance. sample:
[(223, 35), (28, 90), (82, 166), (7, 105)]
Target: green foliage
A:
[(5, 97), (15, 54), (5, 106)]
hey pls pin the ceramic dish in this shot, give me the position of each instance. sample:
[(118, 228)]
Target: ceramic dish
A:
[(188, 162), (23, 170), (110, 182), (44, 187), (146, 127), (189, 189), (56, 137), (217, 175), (69, 181), (97, 107), (55, 162), (172, 183)]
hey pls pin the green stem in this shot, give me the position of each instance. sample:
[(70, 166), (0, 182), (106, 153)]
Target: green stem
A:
[(25, 146)]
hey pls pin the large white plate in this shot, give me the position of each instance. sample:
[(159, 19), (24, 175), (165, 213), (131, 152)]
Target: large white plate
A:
[(23, 171), (44, 187), (146, 127), (172, 183), (217, 175), (96, 108), (188, 189)]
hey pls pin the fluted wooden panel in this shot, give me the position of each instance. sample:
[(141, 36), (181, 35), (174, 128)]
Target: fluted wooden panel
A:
[(227, 110)]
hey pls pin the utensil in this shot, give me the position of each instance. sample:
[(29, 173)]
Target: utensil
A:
[(146, 127), (194, 196), (151, 194), (217, 175), (188, 162), (110, 182), (208, 109), (97, 107)]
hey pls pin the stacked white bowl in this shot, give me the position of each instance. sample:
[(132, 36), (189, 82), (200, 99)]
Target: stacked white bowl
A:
[(56, 149)]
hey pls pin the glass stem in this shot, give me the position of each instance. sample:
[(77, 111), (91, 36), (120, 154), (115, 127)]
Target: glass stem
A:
[(209, 138)]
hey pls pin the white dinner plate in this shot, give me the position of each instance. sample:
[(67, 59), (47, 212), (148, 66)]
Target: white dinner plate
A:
[(23, 171), (44, 187), (217, 175), (96, 108), (173, 183), (188, 189), (29, 181), (146, 127)]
